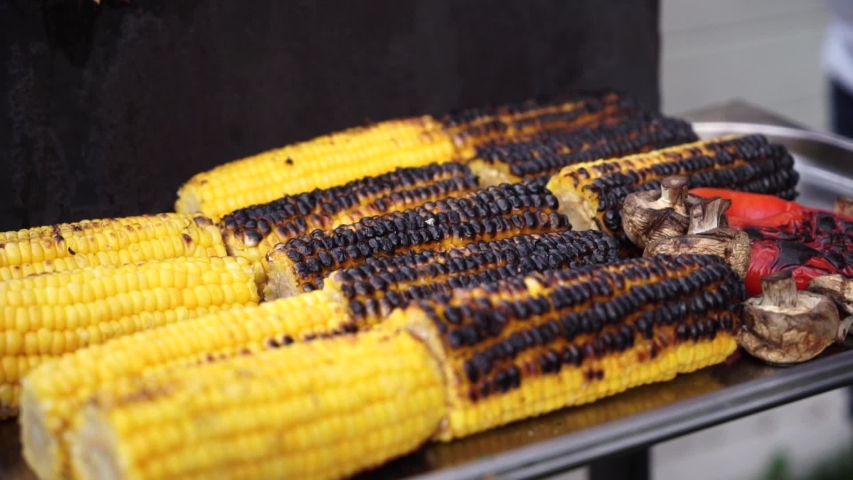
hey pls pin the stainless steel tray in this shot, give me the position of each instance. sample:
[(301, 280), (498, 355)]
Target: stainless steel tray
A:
[(643, 416), (647, 415)]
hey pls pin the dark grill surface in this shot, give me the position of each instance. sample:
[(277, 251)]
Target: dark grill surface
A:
[(106, 111)]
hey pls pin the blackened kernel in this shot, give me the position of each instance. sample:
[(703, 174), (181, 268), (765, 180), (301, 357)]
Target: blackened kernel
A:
[(482, 363), (455, 339), (286, 340), (514, 376), (682, 332), (471, 371)]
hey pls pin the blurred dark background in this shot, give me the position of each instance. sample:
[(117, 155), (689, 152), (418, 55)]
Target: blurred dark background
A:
[(107, 109)]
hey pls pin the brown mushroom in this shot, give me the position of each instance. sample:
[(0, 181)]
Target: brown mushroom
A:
[(839, 289), (654, 214), (708, 233), (785, 326), (843, 205)]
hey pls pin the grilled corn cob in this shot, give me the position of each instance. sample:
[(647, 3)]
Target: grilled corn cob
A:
[(463, 363), (475, 126), (302, 263), (316, 410), (350, 301), (591, 193), (118, 241), (371, 291), (252, 232), (46, 316), (542, 155), (319, 163)]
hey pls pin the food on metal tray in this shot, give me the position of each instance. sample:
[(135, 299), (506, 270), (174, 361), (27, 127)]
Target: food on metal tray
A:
[(351, 300), (494, 213), (46, 316), (116, 241), (809, 242), (465, 362), (785, 326), (532, 157), (591, 194), (336, 159), (253, 231), (657, 214), (708, 234)]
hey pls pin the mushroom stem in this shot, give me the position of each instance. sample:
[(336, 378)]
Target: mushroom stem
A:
[(673, 190), (708, 215), (780, 289), (844, 329)]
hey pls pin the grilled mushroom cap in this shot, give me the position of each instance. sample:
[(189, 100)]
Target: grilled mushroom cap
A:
[(654, 214), (840, 289), (785, 326), (843, 205), (708, 233)]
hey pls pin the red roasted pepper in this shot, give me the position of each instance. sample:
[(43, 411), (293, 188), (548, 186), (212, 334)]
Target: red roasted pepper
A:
[(808, 241), (750, 205)]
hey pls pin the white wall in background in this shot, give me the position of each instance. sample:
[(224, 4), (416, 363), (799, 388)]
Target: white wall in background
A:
[(763, 51)]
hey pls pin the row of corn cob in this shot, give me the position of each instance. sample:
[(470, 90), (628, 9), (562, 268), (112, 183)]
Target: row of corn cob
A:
[(80, 313), (274, 236), (445, 367)]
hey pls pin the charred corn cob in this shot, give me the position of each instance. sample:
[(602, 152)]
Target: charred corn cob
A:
[(45, 316), (252, 232), (301, 264), (319, 163), (475, 126), (350, 301), (541, 155), (591, 193), (371, 291), (463, 363), (118, 241)]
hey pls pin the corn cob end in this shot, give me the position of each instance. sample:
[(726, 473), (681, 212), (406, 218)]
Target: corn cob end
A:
[(39, 446), (491, 175), (573, 204)]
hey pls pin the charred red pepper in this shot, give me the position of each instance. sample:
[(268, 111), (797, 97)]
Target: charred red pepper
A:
[(808, 241), (751, 205)]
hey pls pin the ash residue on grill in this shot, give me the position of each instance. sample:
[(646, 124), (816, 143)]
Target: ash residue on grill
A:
[(108, 116)]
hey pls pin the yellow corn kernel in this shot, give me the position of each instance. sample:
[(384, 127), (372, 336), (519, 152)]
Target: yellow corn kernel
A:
[(107, 242), (56, 313)]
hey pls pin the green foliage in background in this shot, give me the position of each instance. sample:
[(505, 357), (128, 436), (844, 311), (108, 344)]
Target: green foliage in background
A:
[(836, 466)]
